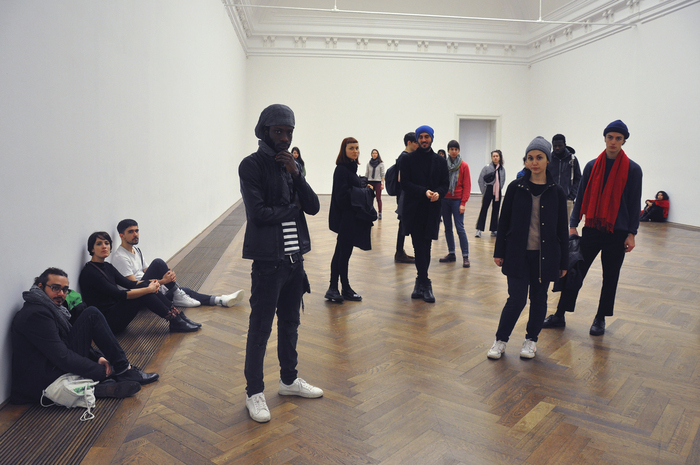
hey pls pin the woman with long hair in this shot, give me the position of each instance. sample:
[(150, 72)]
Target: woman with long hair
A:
[(491, 181), (120, 299), (296, 153), (375, 177), (353, 230), (657, 209)]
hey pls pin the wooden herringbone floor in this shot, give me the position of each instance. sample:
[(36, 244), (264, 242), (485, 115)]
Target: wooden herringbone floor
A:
[(409, 382)]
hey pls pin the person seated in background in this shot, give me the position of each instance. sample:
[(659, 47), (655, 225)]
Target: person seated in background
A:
[(45, 345), (657, 209), (130, 262), (99, 282)]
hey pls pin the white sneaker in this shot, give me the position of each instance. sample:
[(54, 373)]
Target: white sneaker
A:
[(180, 299), (496, 350), (300, 388), (232, 299), (529, 349), (257, 407), (478, 233)]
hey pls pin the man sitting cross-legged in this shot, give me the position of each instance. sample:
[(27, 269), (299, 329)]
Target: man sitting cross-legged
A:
[(130, 262), (45, 345)]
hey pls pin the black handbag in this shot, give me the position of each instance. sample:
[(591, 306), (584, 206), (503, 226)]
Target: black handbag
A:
[(489, 178)]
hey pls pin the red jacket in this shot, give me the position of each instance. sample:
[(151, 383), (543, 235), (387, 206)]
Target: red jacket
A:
[(464, 185)]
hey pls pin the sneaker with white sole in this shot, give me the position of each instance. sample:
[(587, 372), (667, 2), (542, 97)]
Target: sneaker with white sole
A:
[(232, 299), (300, 388), (180, 299), (529, 349), (496, 350), (257, 407), (478, 233)]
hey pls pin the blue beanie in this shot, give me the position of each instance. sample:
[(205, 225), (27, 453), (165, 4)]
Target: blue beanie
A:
[(427, 129), (617, 126)]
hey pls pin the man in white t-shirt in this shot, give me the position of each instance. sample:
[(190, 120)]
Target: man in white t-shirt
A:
[(130, 262)]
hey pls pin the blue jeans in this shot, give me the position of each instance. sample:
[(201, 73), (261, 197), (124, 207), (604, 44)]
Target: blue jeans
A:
[(450, 209)]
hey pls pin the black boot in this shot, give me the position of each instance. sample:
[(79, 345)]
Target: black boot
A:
[(417, 290), (428, 292), (184, 317), (178, 325), (598, 326), (333, 295), (349, 294)]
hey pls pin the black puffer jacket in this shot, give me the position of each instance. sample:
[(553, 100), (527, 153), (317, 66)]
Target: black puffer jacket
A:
[(270, 195), (514, 228)]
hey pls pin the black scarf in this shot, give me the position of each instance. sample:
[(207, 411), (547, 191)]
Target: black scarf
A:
[(374, 162)]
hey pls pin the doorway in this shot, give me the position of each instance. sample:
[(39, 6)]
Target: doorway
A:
[(478, 136)]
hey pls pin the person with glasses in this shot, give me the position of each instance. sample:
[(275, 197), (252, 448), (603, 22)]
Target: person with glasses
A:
[(45, 345)]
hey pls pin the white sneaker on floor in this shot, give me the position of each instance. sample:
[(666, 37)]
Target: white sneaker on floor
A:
[(496, 350), (300, 388), (180, 299), (232, 299), (529, 349), (478, 233), (257, 407)]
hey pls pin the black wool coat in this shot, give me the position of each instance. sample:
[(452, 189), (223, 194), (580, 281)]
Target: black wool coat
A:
[(514, 228), (343, 218), (422, 171)]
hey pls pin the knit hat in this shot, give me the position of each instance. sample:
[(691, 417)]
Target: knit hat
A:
[(559, 137), (427, 129), (541, 144), (274, 115), (617, 126)]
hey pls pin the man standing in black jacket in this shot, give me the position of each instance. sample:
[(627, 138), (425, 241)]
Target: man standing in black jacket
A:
[(276, 196), (45, 345), (424, 181), (401, 256), (565, 169)]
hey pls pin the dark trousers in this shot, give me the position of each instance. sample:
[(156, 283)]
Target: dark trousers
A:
[(486, 200), (92, 326), (377, 185), (421, 248), (341, 260), (275, 286), (517, 298), (612, 253), (158, 268), (119, 316), (450, 209)]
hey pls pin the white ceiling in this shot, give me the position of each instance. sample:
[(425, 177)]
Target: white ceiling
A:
[(494, 31)]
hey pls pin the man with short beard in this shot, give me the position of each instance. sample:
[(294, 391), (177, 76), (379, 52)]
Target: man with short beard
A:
[(424, 181), (276, 197)]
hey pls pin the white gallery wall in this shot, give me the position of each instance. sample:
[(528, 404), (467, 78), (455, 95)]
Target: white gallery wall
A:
[(646, 76), (111, 110)]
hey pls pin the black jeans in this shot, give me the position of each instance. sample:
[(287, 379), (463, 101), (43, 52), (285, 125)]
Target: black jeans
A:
[(487, 199), (276, 287), (517, 298), (92, 326), (421, 248), (612, 253), (341, 260), (119, 316), (158, 268)]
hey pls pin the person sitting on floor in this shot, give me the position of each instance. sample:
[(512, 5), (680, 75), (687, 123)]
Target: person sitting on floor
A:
[(45, 345), (130, 262), (656, 210), (99, 282)]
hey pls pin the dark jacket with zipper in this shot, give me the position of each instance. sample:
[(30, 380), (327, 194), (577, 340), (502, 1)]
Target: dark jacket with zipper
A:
[(514, 228), (271, 195)]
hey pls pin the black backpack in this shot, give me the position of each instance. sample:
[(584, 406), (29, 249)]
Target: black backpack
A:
[(391, 180)]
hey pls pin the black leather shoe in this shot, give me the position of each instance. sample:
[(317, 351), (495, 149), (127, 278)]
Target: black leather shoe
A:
[(178, 325), (450, 257), (403, 258), (351, 295), (428, 293), (136, 375), (111, 388), (184, 317), (417, 291), (598, 327), (334, 296), (554, 321)]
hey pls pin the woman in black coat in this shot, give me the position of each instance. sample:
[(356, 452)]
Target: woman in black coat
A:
[(531, 246), (350, 217)]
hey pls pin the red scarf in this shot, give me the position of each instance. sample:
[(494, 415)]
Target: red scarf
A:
[(601, 204)]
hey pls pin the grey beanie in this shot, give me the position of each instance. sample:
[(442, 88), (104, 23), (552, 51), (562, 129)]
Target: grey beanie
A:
[(542, 144), (274, 115)]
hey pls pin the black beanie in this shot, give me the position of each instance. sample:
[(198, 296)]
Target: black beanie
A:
[(617, 126)]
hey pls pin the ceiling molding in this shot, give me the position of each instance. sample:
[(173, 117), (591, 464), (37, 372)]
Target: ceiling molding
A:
[(442, 39)]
